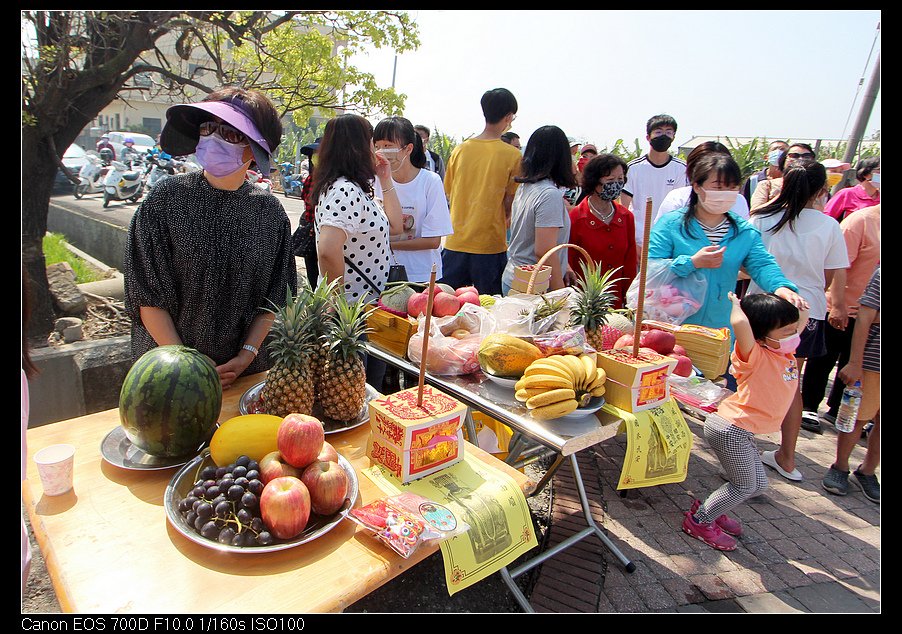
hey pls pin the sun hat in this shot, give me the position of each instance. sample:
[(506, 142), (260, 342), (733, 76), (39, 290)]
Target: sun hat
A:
[(180, 134), (310, 148), (830, 163)]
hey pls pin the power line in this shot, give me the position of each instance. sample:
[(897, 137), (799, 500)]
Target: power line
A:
[(860, 81)]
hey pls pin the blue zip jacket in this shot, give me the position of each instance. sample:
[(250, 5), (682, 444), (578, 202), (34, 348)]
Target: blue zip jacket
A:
[(744, 248)]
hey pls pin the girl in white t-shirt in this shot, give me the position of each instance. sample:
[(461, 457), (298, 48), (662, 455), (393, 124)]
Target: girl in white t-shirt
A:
[(422, 196), (810, 249)]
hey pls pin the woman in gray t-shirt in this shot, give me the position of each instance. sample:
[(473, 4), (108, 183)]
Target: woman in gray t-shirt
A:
[(539, 219)]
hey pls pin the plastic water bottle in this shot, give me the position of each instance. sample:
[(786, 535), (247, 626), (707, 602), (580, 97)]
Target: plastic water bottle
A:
[(847, 415)]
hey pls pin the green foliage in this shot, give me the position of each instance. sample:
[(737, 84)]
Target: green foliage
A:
[(442, 144), (620, 149), (55, 251), (748, 155)]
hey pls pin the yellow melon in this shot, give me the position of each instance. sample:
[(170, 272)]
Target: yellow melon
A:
[(252, 435)]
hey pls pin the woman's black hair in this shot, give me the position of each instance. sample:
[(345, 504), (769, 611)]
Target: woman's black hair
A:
[(712, 164), (767, 312), (801, 182), (785, 154), (700, 150), (597, 168), (547, 155), (865, 167), (346, 150)]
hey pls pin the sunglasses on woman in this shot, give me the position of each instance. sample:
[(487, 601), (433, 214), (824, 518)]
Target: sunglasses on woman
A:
[(804, 155), (227, 132)]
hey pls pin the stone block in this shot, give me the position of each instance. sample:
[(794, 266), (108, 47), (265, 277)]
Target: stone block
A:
[(67, 297)]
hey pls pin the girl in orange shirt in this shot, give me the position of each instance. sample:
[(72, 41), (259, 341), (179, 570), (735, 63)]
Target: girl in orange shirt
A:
[(766, 328)]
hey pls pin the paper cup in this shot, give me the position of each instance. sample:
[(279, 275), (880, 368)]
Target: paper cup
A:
[(55, 468)]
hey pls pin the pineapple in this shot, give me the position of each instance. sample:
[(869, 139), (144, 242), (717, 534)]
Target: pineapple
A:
[(320, 304), (592, 304), (289, 383), (343, 388)]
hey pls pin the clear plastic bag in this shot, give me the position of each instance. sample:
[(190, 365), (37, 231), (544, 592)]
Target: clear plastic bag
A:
[(668, 297), (405, 522), (570, 341), (451, 351), (519, 314), (697, 392)]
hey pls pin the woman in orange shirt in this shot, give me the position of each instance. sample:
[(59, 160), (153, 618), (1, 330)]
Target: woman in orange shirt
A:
[(766, 328)]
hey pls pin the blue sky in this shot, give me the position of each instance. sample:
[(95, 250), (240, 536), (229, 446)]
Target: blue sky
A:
[(600, 75)]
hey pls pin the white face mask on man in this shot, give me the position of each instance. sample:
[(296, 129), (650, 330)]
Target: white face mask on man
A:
[(718, 201)]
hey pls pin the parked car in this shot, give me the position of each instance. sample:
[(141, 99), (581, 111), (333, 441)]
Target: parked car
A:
[(74, 159), (143, 142)]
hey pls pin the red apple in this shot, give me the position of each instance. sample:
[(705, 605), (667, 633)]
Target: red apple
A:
[(445, 304), (327, 483), (679, 350), (659, 340), (416, 304), (272, 466), (285, 507), (683, 366), (466, 289), (328, 453), (469, 298), (300, 439)]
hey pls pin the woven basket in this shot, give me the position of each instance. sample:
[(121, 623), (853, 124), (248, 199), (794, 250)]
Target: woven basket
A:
[(539, 278)]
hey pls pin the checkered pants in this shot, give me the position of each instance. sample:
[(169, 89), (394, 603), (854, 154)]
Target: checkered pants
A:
[(735, 448)]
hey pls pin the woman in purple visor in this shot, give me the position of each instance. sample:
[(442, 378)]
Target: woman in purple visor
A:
[(207, 251)]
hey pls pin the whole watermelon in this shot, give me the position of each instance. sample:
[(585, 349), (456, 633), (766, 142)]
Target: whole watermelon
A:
[(170, 401)]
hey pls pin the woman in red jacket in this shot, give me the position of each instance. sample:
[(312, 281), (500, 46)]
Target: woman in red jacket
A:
[(602, 226)]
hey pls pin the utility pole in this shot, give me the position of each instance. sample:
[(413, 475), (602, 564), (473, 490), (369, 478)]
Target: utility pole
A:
[(864, 113)]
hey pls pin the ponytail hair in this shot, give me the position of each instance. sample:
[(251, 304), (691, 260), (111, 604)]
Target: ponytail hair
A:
[(801, 182)]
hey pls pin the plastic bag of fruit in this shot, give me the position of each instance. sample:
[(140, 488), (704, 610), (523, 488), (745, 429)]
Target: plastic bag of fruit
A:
[(522, 315), (668, 297), (569, 341), (407, 521), (453, 341)]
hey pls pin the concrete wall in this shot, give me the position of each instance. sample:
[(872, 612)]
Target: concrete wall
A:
[(102, 239), (77, 379)]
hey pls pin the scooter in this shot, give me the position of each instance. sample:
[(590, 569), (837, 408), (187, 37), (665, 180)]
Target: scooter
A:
[(257, 180), (91, 176), (162, 167), (292, 183), (121, 183)]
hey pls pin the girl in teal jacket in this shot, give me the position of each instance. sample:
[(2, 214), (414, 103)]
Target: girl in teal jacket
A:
[(706, 238)]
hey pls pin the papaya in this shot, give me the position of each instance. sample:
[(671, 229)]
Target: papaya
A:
[(253, 435), (506, 356)]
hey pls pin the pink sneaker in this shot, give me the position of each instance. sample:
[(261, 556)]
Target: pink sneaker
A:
[(711, 533), (727, 524)]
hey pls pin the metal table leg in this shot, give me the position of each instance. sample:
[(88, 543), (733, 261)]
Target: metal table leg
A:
[(509, 575)]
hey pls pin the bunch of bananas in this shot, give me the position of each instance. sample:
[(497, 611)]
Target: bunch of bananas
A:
[(555, 386)]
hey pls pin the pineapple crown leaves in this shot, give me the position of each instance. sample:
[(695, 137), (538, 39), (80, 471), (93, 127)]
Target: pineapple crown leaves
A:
[(347, 327), (595, 296), (291, 337)]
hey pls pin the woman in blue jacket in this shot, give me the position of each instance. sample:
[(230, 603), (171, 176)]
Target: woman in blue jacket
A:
[(707, 238)]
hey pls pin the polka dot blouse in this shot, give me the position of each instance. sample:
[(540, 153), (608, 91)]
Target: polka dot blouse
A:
[(212, 259), (346, 206)]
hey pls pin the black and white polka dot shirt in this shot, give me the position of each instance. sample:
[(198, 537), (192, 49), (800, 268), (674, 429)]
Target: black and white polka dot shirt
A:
[(212, 259), (346, 206)]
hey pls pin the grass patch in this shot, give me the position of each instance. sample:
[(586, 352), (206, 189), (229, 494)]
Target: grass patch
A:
[(55, 251)]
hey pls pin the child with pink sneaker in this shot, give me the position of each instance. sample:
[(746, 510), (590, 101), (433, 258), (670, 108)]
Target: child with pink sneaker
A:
[(766, 328)]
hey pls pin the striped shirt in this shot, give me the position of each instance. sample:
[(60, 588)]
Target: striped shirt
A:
[(716, 234), (871, 299)]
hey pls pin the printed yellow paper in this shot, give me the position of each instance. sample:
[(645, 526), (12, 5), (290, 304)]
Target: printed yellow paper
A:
[(489, 501), (658, 443)]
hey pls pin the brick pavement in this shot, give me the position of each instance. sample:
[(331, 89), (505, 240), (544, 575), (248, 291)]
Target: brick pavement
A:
[(803, 549)]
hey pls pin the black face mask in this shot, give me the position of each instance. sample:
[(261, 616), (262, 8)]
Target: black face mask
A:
[(661, 143)]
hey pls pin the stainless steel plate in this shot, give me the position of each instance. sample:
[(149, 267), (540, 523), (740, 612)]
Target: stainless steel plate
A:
[(183, 481), (118, 450), (250, 398), (509, 383), (595, 404)]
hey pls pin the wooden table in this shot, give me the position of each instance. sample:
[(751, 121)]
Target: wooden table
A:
[(109, 548)]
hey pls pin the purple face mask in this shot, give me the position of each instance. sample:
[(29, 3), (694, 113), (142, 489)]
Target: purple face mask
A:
[(219, 157)]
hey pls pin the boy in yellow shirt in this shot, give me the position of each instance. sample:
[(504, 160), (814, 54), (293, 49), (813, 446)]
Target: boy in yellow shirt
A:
[(479, 183)]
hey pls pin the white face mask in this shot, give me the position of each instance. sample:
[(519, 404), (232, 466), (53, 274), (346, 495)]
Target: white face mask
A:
[(717, 201)]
